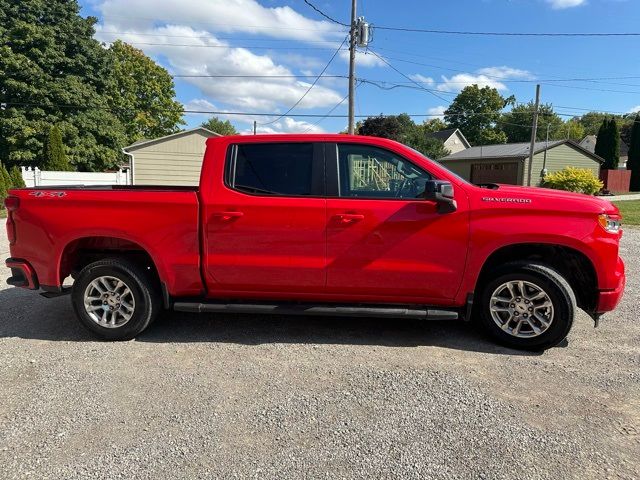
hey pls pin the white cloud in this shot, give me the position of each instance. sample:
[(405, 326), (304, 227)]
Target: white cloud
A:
[(288, 125), (561, 4), (484, 77), (210, 58), (634, 109), (220, 16), (439, 111), (422, 79), (363, 59)]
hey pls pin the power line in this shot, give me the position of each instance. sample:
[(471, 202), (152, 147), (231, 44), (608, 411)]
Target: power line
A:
[(329, 112), (324, 14), (310, 87), (258, 76), (511, 34), (407, 77), (266, 47)]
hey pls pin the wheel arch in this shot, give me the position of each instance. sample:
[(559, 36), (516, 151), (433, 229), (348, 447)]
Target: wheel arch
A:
[(81, 251), (575, 266)]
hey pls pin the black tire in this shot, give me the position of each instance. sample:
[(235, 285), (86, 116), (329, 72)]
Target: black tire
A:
[(143, 286), (554, 285)]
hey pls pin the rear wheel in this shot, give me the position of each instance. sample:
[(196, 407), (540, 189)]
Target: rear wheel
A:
[(115, 299), (527, 306)]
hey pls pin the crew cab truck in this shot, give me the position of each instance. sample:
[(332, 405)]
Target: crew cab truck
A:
[(321, 225)]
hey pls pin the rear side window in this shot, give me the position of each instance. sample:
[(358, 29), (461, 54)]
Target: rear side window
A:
[(272, 168)]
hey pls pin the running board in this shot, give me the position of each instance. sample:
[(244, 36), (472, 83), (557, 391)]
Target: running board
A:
[(422, 313)]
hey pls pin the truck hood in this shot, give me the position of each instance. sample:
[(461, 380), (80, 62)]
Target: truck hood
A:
[(548, 198)]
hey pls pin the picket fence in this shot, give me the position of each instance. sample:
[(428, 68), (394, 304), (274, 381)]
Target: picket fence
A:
[(34, 177)]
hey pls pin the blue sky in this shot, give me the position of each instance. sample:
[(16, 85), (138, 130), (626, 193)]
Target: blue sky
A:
[(200, 39)]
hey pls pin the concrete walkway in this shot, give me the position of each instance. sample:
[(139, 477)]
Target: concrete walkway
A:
[(620, 198)]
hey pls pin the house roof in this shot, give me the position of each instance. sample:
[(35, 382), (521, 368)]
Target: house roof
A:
[(140, 143), (513, 150), (589, 142), (444, 135)]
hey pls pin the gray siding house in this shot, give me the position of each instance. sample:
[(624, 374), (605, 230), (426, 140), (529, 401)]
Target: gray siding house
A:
[(172, 160), (509, 163), (452, 139)]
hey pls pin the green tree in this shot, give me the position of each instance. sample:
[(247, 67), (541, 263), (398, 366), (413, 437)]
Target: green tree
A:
[(223, 127), (434, 125), (633, 163), (608, 144), (476, 112), (142, 94), (16, 177), (54, 155), (403, 129), (4, 185), (518, 122), (52, 71)]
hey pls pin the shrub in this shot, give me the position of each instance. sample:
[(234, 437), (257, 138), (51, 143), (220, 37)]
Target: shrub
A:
[(4, 184), (573, 179), (16, 178)]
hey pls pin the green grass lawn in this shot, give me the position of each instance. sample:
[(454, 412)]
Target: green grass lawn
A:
[(630, 211), (3, 213)]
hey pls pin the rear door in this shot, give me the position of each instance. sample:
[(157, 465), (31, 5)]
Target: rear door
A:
[(503, 172), (384, 241), (265, 227)]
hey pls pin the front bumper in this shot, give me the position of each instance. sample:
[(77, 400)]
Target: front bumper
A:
[(608, 299), (22, 274)]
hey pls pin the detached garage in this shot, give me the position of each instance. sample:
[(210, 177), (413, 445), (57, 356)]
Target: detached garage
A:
[(172, 160), (509, 163)]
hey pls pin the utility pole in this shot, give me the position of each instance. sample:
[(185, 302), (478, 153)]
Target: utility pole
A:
[(255, 127), (534, 132), (352, 68)]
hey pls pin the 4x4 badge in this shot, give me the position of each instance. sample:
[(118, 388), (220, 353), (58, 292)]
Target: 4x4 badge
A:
[(40, 193)]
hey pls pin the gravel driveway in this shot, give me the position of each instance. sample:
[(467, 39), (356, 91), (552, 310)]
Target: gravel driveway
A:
[(239, 396)]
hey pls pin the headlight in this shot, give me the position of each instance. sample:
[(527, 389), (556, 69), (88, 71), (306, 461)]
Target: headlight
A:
[(611, 223)]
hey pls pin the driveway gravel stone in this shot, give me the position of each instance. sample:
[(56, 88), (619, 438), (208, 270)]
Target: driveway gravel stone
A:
[(241, 396)]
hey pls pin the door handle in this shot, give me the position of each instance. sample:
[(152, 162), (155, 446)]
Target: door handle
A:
[(226, 216), (347, 218)]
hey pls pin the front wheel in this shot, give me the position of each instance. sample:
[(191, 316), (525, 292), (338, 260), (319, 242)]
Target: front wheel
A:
[(527, 306), (115, 299)]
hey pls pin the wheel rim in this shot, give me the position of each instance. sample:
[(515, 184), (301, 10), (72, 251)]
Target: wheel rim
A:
[(109, 302), (521, 309)]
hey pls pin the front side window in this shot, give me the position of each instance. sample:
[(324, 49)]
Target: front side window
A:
[(271, 168), (371, 172)]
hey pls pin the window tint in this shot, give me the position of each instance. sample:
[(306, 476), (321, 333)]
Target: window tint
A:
[(371, 172), (272, 168)]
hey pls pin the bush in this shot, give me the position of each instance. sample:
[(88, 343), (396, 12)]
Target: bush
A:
[(16, 178), (5, 184), (571, 179)]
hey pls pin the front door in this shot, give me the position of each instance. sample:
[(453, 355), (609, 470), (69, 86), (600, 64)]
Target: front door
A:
[(265, 228), (384, 242)]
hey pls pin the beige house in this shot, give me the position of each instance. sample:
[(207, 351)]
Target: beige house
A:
[(509, 163), (172, 160), (452, 139)]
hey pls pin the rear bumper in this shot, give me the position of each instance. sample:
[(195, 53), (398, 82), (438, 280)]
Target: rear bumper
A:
[(22, 274), (608, 299)]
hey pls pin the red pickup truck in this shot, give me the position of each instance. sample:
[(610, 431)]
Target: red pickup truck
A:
[(321, 225)]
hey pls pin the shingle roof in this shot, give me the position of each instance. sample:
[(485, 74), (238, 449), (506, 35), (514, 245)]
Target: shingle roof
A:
[(444, 135), (513, 150), (503, 150)]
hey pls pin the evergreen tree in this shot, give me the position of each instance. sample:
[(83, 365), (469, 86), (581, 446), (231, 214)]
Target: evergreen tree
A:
[(633, 163), (608, 144), (223, 127), (55, 158), (4, 185), (614, 155), (16, 177)]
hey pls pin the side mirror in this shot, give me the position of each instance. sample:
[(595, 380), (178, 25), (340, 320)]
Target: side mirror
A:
[(441, 192)]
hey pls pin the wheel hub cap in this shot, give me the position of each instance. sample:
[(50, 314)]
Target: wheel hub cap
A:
[(522, 309), (109, 302)]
